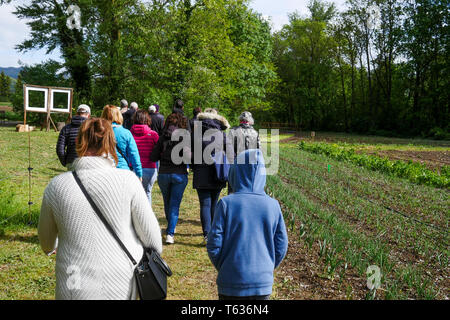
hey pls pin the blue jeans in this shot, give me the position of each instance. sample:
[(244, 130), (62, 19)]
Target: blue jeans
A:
[(172, 188), (208, 200), (148, 180)]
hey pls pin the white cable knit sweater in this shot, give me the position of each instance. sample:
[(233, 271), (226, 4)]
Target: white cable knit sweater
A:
[(90, 264)]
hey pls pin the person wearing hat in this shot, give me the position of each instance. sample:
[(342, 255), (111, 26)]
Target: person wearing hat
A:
[(157, 119), (65, 147)]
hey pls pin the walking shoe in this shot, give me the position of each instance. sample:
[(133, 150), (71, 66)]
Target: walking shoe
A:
[(169, 239)]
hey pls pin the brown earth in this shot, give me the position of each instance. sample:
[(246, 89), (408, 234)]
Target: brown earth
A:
[(432, 159)]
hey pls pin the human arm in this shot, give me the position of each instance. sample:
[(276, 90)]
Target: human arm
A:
[(61, 146), (144, 220), (280, 239), (133, 153), (47, 229), (215, 236)]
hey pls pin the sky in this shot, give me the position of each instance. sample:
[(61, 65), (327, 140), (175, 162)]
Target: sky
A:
[(13, 30)]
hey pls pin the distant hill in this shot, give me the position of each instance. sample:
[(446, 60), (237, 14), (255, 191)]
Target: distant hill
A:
[(11, 71)]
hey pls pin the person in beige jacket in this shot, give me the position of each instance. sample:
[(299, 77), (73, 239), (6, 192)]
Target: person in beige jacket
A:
[(90, 264)]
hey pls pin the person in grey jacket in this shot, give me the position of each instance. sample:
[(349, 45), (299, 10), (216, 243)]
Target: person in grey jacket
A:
[(243, 137), (65, 147)]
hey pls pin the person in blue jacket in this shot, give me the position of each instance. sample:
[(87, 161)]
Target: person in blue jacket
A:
[(248, 237), (127, 150)]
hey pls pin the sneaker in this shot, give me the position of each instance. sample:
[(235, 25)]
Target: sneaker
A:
[(169, 239)]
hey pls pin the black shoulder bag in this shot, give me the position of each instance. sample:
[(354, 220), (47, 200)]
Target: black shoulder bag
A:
[(152, 271)]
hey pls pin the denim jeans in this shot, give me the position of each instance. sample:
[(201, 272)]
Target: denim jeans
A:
[(148, 180), (172, 187), (222, 297), (208, 200)]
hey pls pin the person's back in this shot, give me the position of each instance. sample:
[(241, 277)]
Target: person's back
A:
[(244, 136), (90, 264), (65, 147), (248, 237), (128, 116), (157, 119)]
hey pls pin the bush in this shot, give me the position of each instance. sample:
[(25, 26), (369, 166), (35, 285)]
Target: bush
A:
[(439, 134)]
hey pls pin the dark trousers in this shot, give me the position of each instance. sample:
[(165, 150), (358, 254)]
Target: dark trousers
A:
[(222, 297), (208, 199)]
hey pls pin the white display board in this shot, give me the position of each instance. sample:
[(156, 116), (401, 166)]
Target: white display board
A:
[(33, 106), (47, 100), (66, 107)]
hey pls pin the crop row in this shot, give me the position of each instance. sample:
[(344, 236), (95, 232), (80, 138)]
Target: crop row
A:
[(413, 171)]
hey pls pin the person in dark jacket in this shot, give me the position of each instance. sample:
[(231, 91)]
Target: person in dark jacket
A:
[(128, 116), (205, 181), (195, 112), (65, 147), (157, 119), (172, 177), (178, 107)]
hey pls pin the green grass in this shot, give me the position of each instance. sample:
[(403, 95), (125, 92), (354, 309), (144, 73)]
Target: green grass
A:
[(27, 273), (345, 216)]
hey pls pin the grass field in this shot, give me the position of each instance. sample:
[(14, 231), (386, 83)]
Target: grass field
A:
[(341, 219)]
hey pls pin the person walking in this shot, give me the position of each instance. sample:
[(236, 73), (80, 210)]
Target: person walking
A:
[(195, 113), (204, 180), (172, 177), (128, 116), (126, 147), (243, 137), (157, 119), (123, 106), (65, 147), (90, 265), (146, 140), (248, 237)]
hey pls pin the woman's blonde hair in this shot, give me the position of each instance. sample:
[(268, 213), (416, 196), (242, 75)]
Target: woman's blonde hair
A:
[(112, 114), (96, 137)]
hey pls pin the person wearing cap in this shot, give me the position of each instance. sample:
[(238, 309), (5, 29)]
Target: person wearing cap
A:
[(128, 116), (65, 147), (157, 119)]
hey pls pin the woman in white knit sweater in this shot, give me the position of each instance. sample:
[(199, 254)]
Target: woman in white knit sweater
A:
[(90, 264)]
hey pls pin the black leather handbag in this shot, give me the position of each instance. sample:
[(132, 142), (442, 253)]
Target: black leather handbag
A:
[(152, 271)]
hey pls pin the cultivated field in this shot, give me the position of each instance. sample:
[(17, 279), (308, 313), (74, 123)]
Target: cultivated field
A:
[(341, 218)]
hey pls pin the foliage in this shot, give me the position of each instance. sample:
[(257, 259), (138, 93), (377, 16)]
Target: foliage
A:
[(377, 65), (413, 171)]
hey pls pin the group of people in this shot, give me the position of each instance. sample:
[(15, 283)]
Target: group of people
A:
[(244, 232)]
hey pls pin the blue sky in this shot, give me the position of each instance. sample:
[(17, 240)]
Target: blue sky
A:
[(13, 31)]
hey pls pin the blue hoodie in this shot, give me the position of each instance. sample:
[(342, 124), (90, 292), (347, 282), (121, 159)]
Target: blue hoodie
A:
[(248, 237), (128, 147)]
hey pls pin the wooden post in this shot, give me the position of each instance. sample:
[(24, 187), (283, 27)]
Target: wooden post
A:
[(24, 104)]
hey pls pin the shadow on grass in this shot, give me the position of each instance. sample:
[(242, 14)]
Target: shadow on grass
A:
[(32, 238)]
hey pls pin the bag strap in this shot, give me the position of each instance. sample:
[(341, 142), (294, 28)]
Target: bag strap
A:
[(102, 218)]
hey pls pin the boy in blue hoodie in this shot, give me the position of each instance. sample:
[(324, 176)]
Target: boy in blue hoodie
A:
[(248, 237)]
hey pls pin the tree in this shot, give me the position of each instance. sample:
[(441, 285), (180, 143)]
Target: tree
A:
[(49, 30)]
